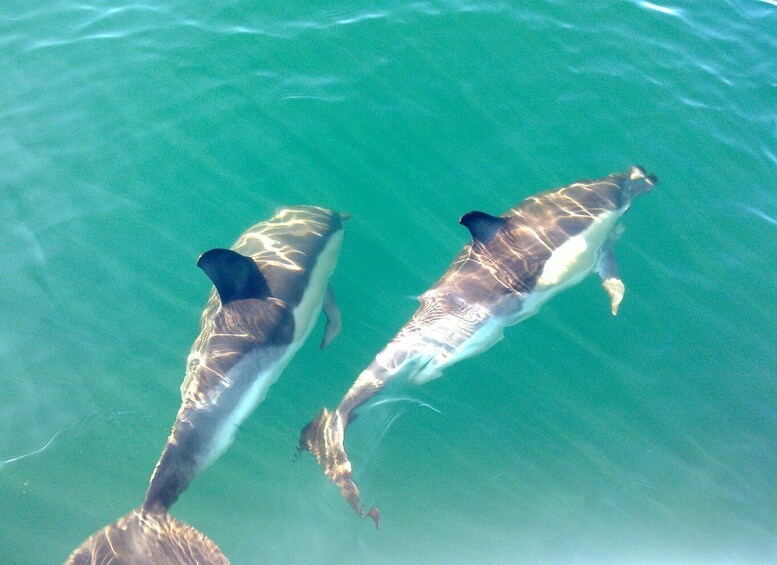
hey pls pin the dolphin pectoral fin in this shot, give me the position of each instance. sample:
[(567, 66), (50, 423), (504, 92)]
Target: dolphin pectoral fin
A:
[(235, 276), (333, 319), (608, 272), (615, 290), (143, 537), (323, 437), (482, 226)]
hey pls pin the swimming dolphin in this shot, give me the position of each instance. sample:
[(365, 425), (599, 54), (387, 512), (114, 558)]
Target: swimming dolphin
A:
[(269, 289), (515, 263)]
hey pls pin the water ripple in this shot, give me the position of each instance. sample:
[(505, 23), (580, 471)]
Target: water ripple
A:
[(110, 13), (68, 24), (760, 213), (662, 9), (219, 28)]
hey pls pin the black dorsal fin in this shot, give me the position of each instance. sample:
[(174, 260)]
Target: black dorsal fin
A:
[(482, 226), (235, 276)]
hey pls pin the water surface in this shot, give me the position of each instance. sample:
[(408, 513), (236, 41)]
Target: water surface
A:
[(133, 137)]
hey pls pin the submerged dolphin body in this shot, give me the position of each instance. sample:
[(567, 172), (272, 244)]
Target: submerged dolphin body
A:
[(514, 264), (269, 289)]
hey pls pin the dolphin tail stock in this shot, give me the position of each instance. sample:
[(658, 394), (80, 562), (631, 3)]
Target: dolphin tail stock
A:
[(149, 534), (324, 439), (147, 537)]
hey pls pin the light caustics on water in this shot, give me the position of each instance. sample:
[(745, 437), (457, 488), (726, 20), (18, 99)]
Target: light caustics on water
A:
[(514, 264), (760, 213), (662, 9), (269, 290)]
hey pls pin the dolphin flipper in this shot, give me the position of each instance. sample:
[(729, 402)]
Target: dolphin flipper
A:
[(608, 272), (333, 319)]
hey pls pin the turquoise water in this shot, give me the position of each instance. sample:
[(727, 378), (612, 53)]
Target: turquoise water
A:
[(134, 137)]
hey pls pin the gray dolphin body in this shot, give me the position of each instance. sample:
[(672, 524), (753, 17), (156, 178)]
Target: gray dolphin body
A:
[(269, 290), (514, 264)]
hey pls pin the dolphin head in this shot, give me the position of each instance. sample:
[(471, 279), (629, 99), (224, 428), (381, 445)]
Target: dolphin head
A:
[(300, 222), (289, 245), (639, 181)]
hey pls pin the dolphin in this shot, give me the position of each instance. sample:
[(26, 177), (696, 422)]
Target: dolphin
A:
[(514, 264), (269, 289)]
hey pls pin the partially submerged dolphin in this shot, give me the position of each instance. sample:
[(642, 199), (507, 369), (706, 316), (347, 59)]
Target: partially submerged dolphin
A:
[(269, 290), (515, 263)]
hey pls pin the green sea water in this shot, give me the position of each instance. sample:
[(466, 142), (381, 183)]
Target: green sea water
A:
[(135, 136)]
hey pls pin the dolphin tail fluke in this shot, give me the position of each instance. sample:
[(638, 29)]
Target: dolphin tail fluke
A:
[(324, 437), (144, 537)]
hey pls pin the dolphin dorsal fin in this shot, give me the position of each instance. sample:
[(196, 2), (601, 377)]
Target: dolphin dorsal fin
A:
[(482, 226), (235, 276)]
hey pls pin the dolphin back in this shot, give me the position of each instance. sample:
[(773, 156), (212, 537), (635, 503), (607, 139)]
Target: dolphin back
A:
[(144, 537), (514, 263), (255, 319)]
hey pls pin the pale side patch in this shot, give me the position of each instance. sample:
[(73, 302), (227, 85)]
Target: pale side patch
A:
[(482, 339), (575, 259), (570, 263), (225, 433)]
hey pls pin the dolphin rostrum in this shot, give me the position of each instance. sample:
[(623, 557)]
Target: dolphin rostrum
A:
[(269, 289), (515, 263)]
